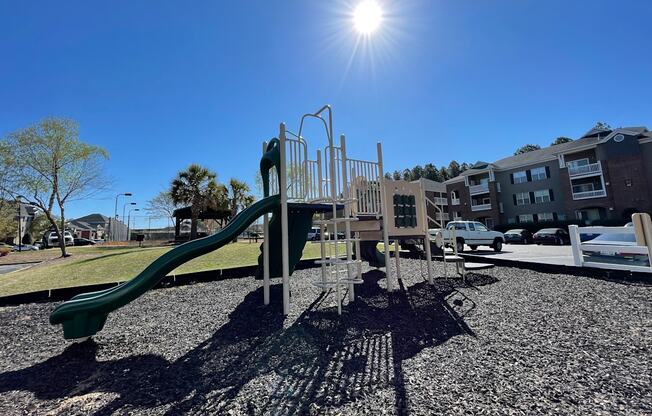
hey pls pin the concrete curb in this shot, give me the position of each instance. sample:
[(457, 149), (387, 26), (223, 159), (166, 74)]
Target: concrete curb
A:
[(61, 294)]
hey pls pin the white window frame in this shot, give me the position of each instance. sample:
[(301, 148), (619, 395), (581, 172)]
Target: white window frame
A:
[(523, 201), (519, 178), (545, 216), (539, 174), (541, 196), (530, 218)]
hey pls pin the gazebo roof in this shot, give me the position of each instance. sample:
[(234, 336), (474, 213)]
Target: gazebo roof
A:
[(207, 214)]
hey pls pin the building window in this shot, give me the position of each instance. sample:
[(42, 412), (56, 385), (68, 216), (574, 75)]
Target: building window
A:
[(545, 216), (525, 218), (541, 196), (501, 207), (561, 217), (520, 177), (522, 198), (511, 220), (628, 183), (539, 174)]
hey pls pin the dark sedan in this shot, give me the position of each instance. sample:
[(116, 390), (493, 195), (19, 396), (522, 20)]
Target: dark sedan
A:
[(84, 242), (556, 236), (518, 236)]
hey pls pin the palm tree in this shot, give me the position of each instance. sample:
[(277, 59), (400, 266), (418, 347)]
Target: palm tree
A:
[(239, 196), (198, 187)]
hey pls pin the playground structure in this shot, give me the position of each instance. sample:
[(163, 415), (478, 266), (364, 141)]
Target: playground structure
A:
[(351, 199)]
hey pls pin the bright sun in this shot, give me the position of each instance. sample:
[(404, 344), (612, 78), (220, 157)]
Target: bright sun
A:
[(367, 16)]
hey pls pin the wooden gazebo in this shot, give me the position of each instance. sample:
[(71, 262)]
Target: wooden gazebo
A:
[(221, 216)]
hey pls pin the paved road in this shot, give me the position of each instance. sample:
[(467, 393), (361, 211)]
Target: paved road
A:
[(12, 267), (530, 253)]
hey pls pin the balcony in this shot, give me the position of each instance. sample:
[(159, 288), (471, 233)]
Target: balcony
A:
[(442, 216), (585, 170), (481, 207), (441, 201), (483, 188), (455, 201), (597, 193)]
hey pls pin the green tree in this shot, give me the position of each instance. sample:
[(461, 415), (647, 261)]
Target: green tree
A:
[(561, 140), (197, 186), (602, 125), (431, 172), (239, 196), (417, 172), (39, 225), (527, 148), (443, 174), (397, 175), (50, 167), (454, 169), (464, 167), (8, 224)]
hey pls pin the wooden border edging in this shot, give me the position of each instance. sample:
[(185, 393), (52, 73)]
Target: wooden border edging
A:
[(61, 294)]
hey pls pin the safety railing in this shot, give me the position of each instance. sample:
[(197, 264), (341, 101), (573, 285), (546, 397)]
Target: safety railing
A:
[(366, 179)]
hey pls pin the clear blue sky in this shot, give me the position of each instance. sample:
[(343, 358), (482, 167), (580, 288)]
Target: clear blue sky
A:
[(163, 84)]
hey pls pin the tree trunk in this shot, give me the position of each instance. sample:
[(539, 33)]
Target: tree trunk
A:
[(193, 226), (61, 231)]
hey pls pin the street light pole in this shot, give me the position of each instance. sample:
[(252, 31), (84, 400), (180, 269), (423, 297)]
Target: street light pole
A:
[(123, 215), (129, 220), (115, 214)]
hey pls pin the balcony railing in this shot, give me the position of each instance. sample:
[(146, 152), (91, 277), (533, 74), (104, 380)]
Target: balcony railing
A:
[(455, 201), (592, 168), (598, 193), (479, 189), (441, 201), (443, 216), (482, 207)]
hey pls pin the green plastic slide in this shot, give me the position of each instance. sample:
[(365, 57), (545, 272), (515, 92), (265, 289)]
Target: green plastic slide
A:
[(85, 315)]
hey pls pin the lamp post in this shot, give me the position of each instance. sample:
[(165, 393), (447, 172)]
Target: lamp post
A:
[(129, 220), (123, 214), (115, 213)]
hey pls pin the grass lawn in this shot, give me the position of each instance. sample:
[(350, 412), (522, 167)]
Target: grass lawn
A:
[(97, 264)]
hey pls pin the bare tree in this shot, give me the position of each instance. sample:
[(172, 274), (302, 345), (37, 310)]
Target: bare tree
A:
[(50, 167), (162, 205)]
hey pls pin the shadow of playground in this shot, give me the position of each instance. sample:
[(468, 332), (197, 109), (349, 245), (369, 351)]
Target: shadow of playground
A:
[(321, 360)]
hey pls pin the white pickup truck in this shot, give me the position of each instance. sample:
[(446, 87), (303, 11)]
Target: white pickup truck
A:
[(472, 233)]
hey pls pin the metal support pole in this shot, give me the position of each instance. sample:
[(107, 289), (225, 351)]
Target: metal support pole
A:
[(285, 249), (347, 224), (383, 211), (265, 251)]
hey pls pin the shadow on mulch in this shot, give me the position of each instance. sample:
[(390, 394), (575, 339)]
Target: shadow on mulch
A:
[(322, 360)]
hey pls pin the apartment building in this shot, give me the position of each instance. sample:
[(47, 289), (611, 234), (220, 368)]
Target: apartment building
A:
[(605, 174)]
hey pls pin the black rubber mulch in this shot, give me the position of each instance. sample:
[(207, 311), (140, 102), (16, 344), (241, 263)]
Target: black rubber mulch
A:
[(513, 342)]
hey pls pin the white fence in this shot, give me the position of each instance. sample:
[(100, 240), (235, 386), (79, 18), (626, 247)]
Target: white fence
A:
[(618, 248)]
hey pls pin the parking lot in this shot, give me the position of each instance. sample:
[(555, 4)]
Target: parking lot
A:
[(561, 255)]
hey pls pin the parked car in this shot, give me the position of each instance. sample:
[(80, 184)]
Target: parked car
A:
[(620, 256), (472, 233), (25, 247), (518, 236), (557, 236), (50, 239), (84, 242), (313, 234)]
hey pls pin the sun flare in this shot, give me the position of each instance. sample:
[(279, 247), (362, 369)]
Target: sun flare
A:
[(367, 16)]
